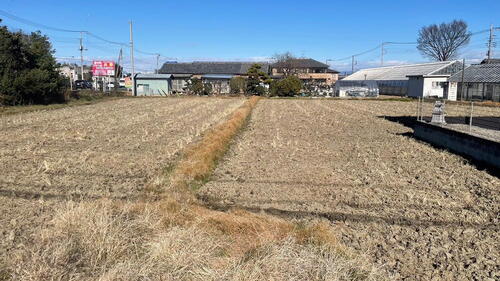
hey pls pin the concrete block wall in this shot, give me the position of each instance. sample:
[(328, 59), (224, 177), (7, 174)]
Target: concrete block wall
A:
[(480, 149)]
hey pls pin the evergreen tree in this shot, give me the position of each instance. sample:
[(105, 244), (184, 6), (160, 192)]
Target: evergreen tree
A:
[(257, 77), (28, 69)]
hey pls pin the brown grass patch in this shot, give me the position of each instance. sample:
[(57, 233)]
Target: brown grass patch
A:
[(200, 159), (106, 240), (9, 110)]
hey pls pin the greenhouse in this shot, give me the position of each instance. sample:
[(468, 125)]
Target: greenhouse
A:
[(354, 88), (393, 80)]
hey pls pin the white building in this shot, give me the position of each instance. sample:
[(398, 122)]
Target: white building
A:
[(68, 71), (74, 72), (414, 80)]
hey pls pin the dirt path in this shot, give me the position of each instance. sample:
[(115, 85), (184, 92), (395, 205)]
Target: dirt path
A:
[(420, 212), (109, 149)]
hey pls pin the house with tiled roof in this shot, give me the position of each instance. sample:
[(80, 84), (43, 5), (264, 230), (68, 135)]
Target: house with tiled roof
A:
[(218, 74), (308, 70)]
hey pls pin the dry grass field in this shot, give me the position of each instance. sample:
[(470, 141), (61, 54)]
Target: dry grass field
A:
[(104, 192), (106, 150), (419, 212), (309, 190)]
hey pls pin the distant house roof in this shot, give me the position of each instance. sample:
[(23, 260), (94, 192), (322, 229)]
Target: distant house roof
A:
[(217, 76), (152, 76), (401, 72), (181, 76), (228, 68), (331, 71), (300, 63), (479, 73), (490, 61)]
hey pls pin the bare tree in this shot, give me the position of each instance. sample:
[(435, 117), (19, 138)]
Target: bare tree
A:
[(285, 63), (442, 42)]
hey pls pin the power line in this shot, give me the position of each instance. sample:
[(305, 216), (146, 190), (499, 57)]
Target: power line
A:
[(480, 32), (397, 43), (43, 26), (105, 40), (145, 53), (32, 23)]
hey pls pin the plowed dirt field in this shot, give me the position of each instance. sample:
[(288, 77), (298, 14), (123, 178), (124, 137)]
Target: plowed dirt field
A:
[(419, 212)]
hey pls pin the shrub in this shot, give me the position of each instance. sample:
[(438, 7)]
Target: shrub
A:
[(286, 87), (207, 89), (197, 87), (237, 85)]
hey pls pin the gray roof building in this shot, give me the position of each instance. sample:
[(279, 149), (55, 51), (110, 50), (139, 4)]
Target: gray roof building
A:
[(402, 72), (479, 73), (302, 63), (227, 68), (490, 61), (414, 80), (152, 76)]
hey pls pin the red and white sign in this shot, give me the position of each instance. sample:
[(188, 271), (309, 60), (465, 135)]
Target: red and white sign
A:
[(103, 68)]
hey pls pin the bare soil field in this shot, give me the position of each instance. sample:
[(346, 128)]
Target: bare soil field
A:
[(419, 212), (106, 150)]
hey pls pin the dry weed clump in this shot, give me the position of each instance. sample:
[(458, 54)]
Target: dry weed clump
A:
[(106, 240), (289, 260)]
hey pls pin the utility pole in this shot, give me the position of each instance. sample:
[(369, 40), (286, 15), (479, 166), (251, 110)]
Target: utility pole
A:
[(352, 65), (119, 67), (81, 53), (463, 84), (132, 58), (490, 43), (382, 54), (157, 62)]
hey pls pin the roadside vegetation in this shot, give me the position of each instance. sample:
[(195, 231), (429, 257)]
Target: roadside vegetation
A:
[(77, 98)]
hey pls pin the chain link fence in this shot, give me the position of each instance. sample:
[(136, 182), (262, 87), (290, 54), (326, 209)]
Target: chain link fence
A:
[(475, 118)]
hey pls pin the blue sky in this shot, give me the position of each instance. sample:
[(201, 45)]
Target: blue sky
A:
[(252, 30)]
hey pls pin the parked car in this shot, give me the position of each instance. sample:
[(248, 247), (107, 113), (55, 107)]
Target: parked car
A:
[(82, 84)]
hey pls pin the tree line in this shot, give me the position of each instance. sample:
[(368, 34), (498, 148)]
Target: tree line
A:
[(255, 82), (28, 69)]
